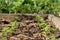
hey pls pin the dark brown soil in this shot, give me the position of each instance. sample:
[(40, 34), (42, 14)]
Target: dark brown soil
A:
[(28, 28)]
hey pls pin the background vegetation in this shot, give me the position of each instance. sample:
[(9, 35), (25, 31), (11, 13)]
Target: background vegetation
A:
[(30, 6)]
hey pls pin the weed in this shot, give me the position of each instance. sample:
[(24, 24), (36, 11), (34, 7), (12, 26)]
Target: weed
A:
[(45, 27), (9, 30), (39, 18)]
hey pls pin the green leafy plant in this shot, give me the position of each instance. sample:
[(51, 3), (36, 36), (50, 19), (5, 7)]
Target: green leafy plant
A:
[(10, 5), (14, 5), (42, 24), (45, 27), (9, 30), (39, 18)]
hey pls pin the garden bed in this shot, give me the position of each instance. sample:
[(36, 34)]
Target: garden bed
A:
[(28, 28)]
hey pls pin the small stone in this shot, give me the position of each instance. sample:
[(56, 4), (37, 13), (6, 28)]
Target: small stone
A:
[(55, 21)]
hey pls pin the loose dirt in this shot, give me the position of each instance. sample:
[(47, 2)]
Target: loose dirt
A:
[(28, 28)]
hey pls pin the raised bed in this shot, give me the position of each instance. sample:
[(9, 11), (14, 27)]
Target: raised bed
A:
[(28, 28)]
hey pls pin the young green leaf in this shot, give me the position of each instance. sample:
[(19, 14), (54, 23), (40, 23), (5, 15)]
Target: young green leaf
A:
[(39, 18)]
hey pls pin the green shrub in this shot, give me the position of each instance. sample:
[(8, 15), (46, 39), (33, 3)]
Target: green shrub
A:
[(30, 6)]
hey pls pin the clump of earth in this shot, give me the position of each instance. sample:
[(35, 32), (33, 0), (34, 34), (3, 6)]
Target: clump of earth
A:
[(29, 28)]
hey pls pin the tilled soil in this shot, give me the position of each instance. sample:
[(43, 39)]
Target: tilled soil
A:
[(28, 28)]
